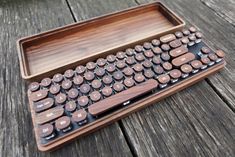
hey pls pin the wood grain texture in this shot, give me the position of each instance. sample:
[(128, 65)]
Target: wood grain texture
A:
[(22, 18)]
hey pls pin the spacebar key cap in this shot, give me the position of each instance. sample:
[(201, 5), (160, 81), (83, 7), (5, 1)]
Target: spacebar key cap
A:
[(119, 98)]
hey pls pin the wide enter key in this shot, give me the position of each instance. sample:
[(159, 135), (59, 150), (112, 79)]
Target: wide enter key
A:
[(183, 59)]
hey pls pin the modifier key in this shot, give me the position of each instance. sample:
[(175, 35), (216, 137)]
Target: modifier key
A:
[(49, 115)]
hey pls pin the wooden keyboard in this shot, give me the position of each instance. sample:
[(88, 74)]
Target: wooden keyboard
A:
[(93, 95)]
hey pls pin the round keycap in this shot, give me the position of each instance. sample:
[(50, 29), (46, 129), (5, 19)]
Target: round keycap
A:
[(111, 58), (83, 101), (69, 73), (205, 50), (165, 56), (78, 80), (66, 84), (73, 93), (130, 60), (80, 69), (60, 98), (158, 69), (157, 60), (95, 96), (213, 57), (147, 45), (79, 116), (185, 40), (192, 29), (120, 55), (45, 130), (205, 60), (107, 79), (165, 47), (139, 78), (107, 91), (179, 34), (62, 123), (148, 73), (85, 88), (186, 68), (70, 106), (186, 32), (101, 62), (118, 87), (155, 42), (34, 86), (57, 78), (164, 78), (138, 67), (89, 75), (128, 71), (167, 66), (118, 75), (110, 68), (220, 53), (192, 37), (147, 64), (90, 65), (130, 52), (121, 64), (96, 84), (148, 54), (129, 82), (175, 74), (157, 50), (100, 72), (46, 82), (139, 57), (196, 64), (176, 43), (138, 48), (198, 35), (54, 89)]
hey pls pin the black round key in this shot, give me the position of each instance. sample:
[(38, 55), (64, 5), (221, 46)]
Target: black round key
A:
[(90, 65), (165, 47), (70, 106), (205, 50), (192, 29), (148, 54), (121, 64), (118, 75), (198, 35), (83, 101), (60, 98), (147, 64), (155, 42), (101, 62), (186, 32), (148, 73), (179, 34), (129, 82), (95, 96), (139, 57), (78, 80), (107, 91), (157, 60), (96, 84), (138, 67), (89, 75), (139, 78), (111, 58), (62, 123), (69, 73), (66, 84), (57, 78), (130, 60), (85, 88), (128, 71), (34, 86), (45, 130), (185, 40), (46, 82), (167, 66), (118, 87), (80, 69), (107, 79), (158, 69), (54, 89), (192, 37), (100, 72), (138, 48), (73, 93), (120, 55), (130, 52), (157, 50), (110, 68), (165, 56), (147, 45)]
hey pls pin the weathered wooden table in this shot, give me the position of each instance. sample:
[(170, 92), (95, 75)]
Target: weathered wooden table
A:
[(199, 121)]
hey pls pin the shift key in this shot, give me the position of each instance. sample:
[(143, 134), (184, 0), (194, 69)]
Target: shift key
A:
[(49, 115)]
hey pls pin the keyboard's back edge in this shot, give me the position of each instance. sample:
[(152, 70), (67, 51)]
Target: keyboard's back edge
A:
[(122, 112)]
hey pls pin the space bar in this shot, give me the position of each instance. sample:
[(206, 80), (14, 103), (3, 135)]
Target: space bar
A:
[(119, 98)]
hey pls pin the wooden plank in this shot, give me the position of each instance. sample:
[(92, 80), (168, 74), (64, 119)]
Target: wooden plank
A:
[(21, 18)]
